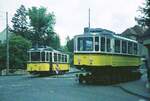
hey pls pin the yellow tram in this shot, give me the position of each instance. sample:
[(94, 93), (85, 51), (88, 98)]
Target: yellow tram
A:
[(105, 54), (47, 61)]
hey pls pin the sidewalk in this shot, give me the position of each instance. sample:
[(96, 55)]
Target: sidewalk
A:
[(137, 88)]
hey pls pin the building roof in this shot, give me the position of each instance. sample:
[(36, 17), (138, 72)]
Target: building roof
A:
[(133, 31), (147, 33)]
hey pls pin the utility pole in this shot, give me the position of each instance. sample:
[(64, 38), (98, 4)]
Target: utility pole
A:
[(89, 21), (7, 50)]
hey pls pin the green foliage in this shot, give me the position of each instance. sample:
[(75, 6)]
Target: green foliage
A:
[(55, 42), (20, 22), (2, 56), (69, 48), (144, 19), (70, 44), (42, 24), (18, 52)]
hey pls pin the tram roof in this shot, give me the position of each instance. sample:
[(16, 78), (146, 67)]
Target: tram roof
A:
[(105, 33), (43, 49)]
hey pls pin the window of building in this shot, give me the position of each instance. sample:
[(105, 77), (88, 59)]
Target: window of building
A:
[(108, 45), (135, 48), (124, 46), (117, 46), (130, 48), (96, 43), (102, 43), (85, 44)]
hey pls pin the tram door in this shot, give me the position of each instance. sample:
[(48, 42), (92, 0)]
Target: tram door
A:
[(49, 59)]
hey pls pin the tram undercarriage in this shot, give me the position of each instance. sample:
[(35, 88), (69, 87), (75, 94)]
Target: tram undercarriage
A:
[(108, 75)]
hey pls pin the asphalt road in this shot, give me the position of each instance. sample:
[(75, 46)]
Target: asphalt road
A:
[(63, 88)]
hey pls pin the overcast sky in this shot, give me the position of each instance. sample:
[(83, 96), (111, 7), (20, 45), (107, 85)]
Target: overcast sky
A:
[(72, 15)]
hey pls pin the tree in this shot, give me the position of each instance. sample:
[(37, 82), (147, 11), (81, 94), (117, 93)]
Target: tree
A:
[(70, 44), (70, 47), (41, 24), (20, 25), (2, 56), (144, 19), (55, 42), (18, 52)]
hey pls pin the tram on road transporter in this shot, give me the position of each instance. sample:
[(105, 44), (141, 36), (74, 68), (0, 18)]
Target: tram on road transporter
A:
[(47, 61), (105, 54)]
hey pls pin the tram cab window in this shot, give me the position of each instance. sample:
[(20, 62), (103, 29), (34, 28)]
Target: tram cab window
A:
[(85, 44), (130, 48), (135, 48), (75, 46), (55, 57), (35, 56), (117, 46), (96, 43), (108, 45), (124, 46), (102, 43)]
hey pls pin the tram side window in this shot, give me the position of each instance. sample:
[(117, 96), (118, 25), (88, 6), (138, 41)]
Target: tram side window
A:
[(96, 43), (65, 58), (129, 47), (108, 45), (50, 57), (59, 57), (117, 46), (35, 56), (124, 46), (55, 57), (43, 56), (135, 48), (47, 56), (102, 43)]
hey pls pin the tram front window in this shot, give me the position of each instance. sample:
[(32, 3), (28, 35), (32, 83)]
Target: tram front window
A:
[(85, 44), (35, 56)]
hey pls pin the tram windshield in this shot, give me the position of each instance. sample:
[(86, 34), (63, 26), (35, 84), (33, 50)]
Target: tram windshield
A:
[(38, 56), (85, 44), (35, 56)]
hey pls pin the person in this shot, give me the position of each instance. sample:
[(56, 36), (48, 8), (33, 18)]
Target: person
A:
[(57, 68)]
